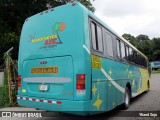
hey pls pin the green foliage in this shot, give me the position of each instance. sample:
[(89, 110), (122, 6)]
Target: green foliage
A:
[(8, 40), (156, 71), (130, 38), (4, 94), (88, 5), (12, 16), (150, 47)]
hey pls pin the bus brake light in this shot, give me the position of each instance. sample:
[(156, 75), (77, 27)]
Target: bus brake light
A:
[(80, 85), (19, 81)]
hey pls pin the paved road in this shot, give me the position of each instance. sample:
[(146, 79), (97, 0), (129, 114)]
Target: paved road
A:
[(145, 102)]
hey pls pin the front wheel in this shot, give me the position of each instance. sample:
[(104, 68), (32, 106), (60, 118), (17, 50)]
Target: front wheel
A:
[(126, 99)]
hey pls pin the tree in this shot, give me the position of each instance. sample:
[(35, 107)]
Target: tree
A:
[(130, 39), (13, 14), (151, 48), (142, 38)]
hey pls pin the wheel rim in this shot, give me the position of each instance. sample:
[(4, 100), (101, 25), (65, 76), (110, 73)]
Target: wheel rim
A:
[(127, 99)]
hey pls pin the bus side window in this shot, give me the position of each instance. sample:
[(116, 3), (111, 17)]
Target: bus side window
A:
[(130, 55), (134, 57), (118, 49), (127, 53), (96, 36), (93, 36), (99, 39), (109, 44), (123, 53)]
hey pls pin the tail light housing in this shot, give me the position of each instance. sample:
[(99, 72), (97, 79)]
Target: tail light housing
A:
[(80, 83), (19, 81)]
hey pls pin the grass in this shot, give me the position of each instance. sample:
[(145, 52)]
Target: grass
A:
[(156, 71)]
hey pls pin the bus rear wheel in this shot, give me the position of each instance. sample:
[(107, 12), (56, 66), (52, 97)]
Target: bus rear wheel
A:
[(148, 86), (127, 98)]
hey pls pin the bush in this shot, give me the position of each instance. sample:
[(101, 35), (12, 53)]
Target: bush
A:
[(4, 94)]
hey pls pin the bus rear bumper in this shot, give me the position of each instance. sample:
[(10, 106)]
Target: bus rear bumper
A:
[(66, 106)]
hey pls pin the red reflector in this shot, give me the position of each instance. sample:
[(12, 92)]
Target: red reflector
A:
[(49, 101), (40, 100), (58, 102), (33, 99), (27, 98), (80, 86), (19, 84)]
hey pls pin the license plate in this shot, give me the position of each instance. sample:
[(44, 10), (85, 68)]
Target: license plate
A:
[(45, 70), (43, 87)]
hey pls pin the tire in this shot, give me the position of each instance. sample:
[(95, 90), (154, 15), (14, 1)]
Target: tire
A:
[(148, 87), (127, 99)]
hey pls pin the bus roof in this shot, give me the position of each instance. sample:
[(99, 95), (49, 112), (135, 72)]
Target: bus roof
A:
[(106, 26)]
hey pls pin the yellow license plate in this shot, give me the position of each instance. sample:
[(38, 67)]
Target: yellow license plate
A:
[(45, 70)]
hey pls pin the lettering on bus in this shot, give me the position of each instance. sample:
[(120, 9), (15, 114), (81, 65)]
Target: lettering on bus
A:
[(96, 62), (51, 40)]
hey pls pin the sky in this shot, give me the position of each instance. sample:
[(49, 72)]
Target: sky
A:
[(134, 17)]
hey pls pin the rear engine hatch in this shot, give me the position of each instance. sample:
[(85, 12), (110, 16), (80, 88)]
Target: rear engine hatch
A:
[(48, 78)]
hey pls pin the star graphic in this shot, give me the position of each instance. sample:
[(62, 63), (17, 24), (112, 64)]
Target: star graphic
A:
[(98, 102), (94, 89), (130, 72), (110, 72)]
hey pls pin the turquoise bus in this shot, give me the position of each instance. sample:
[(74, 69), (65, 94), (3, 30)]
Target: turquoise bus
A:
[(72, 62)]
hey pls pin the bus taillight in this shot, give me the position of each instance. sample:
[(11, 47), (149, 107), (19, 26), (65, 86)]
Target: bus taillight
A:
[(19, 81), (80, 82)]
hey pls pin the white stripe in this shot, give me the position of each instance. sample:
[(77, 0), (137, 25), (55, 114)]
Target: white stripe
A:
[(37, 100), (18, 97), (45, 101), (30, 99), (47, 79), (86, 49), (24, 98), (113, 82), (54, 102)]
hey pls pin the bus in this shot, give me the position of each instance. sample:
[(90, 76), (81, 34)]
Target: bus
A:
[(155, 65), (70, 61)]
